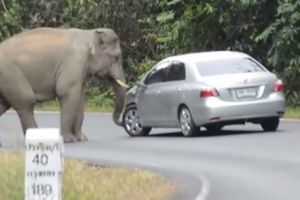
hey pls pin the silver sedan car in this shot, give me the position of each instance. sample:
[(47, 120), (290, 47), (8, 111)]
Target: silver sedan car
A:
[(208, 89)]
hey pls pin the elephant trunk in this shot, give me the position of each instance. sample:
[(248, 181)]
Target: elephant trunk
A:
[(119, 88)]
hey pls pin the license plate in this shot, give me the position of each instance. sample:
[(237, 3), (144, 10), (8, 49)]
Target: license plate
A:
[(246, 93)]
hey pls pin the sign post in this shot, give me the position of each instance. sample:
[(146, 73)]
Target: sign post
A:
[(43, 164)]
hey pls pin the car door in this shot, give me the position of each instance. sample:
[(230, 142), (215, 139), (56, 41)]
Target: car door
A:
[(148, 102), (171, 93)]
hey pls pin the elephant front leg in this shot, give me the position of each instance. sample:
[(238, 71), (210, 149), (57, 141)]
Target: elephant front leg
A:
[(69, 109), (77, 127)]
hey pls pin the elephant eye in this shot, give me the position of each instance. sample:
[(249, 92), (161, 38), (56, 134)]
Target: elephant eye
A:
[(117, 58)]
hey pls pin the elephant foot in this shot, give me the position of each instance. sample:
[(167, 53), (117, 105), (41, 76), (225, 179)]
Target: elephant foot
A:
[(81, 137), (69, 138)]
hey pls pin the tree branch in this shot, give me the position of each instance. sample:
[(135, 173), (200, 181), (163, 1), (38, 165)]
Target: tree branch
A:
[(4, 7)]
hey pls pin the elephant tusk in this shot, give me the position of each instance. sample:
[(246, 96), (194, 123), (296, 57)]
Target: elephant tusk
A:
[(121, 83)]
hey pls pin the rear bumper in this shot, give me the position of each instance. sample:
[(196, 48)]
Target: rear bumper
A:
[(216, 109)]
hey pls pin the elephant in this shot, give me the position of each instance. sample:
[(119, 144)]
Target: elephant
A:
[(41, 64)]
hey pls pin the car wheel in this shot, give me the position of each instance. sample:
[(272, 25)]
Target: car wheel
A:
[(270, 124), (132, 123), (214, 127), (186, 122)]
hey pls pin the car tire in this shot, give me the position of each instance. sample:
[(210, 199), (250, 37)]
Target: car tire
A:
[(132, 124), (186, 123), (213, 127), (270, 124)]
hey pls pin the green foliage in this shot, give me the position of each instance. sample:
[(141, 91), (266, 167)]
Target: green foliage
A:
[(98, 98), (185, 26), (284, 53), (10, 20), (145, 66)]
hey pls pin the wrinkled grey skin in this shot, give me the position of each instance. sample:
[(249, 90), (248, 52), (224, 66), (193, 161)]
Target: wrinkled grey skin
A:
[(44, 63)]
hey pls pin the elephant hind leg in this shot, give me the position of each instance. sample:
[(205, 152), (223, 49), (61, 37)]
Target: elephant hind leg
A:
[(17, 92)]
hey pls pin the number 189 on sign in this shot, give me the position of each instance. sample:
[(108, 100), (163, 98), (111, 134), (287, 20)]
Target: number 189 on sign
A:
[(41, 189)]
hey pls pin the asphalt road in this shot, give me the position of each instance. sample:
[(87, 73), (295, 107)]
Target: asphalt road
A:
[(241, 163)]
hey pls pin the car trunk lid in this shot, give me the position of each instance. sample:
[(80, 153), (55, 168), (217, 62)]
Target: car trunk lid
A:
[(242, 86)]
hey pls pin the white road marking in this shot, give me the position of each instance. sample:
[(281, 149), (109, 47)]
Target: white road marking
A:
[(203, 194)]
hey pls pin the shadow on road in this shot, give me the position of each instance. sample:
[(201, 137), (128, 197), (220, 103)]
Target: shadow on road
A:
[(205, 133), (231, 132)]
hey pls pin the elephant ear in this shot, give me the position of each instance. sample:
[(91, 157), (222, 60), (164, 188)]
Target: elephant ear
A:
[(98, 41)]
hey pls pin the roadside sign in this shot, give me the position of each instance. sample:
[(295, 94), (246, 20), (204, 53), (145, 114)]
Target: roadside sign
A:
[(43, 164)]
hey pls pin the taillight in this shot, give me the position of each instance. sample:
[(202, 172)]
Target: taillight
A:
[(278, 86), (208, 92)]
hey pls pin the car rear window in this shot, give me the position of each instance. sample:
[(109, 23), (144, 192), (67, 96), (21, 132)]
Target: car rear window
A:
[(228, 66)]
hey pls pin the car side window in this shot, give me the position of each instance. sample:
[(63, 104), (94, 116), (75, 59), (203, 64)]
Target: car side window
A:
[(159, 74), (176, 72)]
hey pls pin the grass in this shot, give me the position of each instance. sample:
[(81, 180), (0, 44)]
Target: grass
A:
[(90, 106), (85, 182), (292, 112), (47, 106)]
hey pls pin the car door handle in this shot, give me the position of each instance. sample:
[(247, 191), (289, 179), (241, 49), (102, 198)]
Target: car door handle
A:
[(158, 92), (178, 90)]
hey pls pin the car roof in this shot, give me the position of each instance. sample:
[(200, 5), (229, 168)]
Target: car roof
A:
[(207, 56)]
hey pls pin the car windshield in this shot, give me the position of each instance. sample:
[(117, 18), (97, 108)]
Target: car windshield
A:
[(228, 66)]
